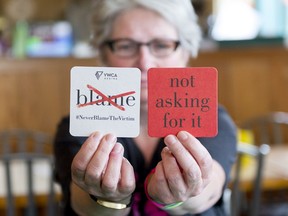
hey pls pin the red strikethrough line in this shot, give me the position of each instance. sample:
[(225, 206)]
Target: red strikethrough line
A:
[(105, 98)]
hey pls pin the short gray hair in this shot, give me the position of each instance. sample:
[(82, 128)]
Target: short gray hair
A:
[(180, 13)]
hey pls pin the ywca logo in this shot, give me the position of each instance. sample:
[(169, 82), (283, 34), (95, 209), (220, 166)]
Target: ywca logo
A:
[(98, 74), (106, 75)]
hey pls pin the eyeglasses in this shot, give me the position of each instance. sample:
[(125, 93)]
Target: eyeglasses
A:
[(128, 48)]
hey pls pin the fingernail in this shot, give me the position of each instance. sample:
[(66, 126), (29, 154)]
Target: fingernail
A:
[(182, 135), (111, 138), (171, 139), (96, 135), (166, 150), (117, 148)]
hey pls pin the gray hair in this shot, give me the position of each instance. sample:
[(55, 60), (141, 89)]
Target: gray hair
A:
[(180, 13)]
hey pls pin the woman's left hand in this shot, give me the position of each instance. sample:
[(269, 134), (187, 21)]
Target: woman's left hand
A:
[(184, 172)]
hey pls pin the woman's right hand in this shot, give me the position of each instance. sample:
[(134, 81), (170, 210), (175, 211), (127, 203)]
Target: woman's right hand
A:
[(100, 169)]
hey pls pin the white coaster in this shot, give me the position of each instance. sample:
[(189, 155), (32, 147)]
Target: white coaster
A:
[(105, 99)]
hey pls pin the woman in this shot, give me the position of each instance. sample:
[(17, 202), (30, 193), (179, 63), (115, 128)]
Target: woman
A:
[(181, 175)]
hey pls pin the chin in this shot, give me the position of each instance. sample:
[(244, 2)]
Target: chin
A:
[(144, 106)]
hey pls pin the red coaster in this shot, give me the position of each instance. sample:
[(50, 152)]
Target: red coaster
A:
[(182, 99)]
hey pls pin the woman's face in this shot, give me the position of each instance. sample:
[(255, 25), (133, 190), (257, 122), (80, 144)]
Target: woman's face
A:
[(143, 26)]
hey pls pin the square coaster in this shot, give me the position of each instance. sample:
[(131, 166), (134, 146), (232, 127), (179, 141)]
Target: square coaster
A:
[(183, 99), (105, 99)]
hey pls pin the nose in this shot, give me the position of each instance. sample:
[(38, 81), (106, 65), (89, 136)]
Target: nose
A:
[(145, 59)]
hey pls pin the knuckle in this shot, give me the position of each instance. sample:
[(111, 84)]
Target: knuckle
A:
[(179, 150), (92, 177), (206, 160), (129, 186), (109, 187), (193, 173), (173, 180), (77, 170), (89, 146), (181, 194), (103, 151)]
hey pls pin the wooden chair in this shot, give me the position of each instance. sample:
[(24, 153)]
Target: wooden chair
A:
[(24, 140), (271, 128), (27, 148), (238, 198)]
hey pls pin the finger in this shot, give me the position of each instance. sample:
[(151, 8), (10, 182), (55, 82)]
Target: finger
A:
[(199, 152), (112, 172), (160, 190), (127, 181), (84, 155), (173, 174), (184, 158), (97, 165)]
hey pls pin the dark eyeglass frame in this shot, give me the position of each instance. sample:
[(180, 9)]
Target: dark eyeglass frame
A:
[(111, 45)]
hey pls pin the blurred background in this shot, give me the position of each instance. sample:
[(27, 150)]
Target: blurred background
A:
[(32, 27)]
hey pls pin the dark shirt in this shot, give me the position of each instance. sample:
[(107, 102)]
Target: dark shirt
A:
[(222, 149)]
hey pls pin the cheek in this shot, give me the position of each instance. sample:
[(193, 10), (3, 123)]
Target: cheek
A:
[(186, 57)]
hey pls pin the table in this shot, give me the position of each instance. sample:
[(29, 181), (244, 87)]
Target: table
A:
[(42, 172), (275, 173)]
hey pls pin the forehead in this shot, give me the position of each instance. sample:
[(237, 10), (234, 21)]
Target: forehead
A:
[(142, 24)]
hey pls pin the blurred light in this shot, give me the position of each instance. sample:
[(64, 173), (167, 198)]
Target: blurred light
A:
[(236, 20)]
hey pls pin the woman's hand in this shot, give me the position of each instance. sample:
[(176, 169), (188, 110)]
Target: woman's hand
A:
[(184, 172), (100, 169)]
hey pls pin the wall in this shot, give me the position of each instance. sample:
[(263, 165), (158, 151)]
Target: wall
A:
[(34, 93)]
